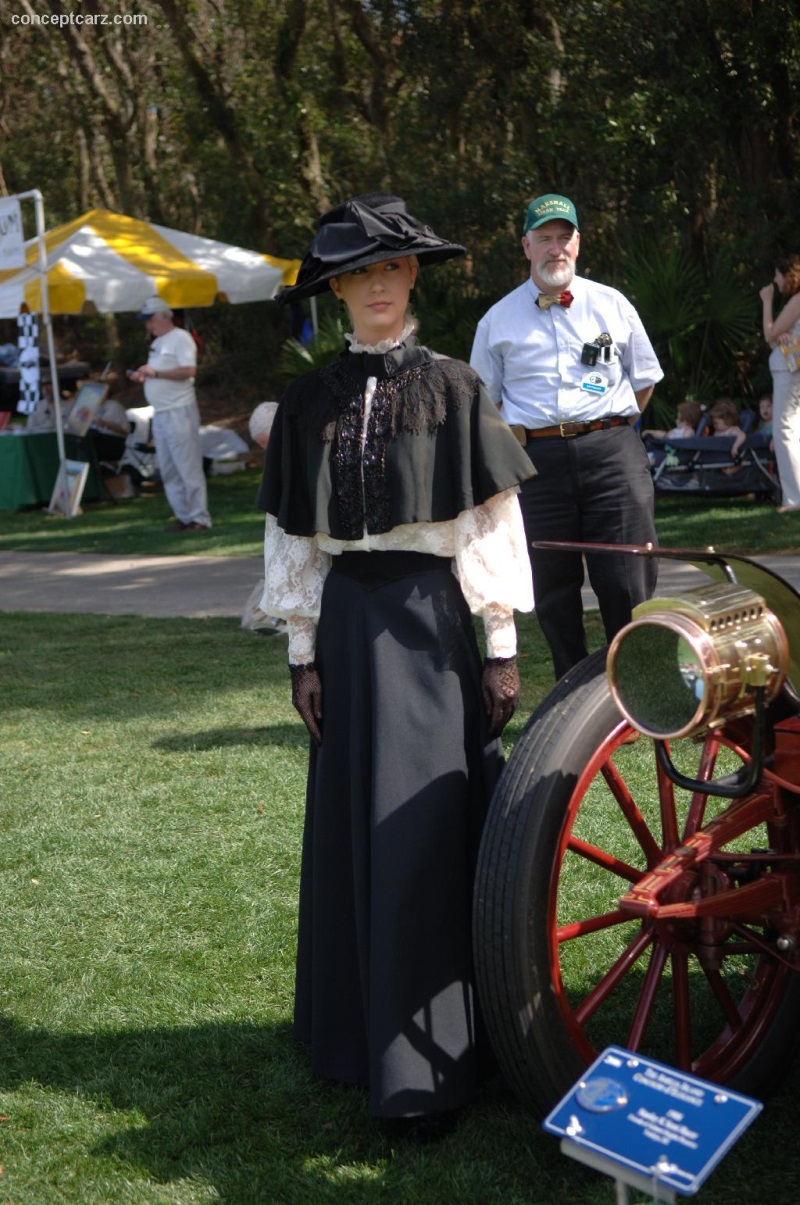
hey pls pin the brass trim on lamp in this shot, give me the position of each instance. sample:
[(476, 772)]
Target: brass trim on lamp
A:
[(689, 663)]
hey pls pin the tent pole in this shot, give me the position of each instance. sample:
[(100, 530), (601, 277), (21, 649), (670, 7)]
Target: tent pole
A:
[(38, 201)]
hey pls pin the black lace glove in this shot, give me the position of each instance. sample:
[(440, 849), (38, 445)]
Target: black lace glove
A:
[(500, 686), (307, 697)]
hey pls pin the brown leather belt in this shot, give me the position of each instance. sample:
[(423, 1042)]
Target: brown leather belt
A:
[(568, 430)]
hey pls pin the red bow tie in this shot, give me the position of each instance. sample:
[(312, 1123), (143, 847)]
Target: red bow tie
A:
[(545, 300)]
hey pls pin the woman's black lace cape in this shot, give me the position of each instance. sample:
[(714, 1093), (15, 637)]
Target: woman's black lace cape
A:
[(436, 446)]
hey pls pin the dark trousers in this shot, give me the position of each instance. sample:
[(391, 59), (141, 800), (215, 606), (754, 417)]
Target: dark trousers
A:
[(594, 488)]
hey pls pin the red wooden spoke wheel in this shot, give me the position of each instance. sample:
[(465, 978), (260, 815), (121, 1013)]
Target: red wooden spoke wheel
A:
[(698, 975)]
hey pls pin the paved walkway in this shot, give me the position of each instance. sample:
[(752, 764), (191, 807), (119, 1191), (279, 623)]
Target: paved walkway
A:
[(193, 586), (198, 586)]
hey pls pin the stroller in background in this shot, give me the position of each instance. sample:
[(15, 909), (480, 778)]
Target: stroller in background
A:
[(704, 464)]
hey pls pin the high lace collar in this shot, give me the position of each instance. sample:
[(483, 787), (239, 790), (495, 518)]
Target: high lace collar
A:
[(381, 348)]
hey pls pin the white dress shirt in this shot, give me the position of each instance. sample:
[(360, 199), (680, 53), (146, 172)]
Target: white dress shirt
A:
[(175, 349), (530, 358)]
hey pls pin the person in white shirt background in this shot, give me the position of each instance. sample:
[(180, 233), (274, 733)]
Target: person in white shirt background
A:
[(570, 366), (782, 334), (168, 379)]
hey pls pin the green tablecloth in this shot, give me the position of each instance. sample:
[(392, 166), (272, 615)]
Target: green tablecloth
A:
[(29, 466)]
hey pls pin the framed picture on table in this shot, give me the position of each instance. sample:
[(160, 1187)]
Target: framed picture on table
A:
[(85, 404), (69, 487)]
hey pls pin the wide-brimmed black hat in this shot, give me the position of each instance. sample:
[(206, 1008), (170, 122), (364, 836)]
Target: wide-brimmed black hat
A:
[(361, 232)]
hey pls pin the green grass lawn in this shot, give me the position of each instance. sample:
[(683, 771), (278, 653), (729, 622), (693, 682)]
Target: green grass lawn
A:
[(152, 779), (751, 528), (136, 527)]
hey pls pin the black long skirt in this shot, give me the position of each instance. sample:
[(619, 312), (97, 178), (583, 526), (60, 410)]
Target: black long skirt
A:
[(397, 794)]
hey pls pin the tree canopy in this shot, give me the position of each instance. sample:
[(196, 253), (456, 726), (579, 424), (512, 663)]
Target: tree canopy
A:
[(672, 124)]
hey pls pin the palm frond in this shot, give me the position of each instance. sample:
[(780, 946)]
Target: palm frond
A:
[(298, 358)]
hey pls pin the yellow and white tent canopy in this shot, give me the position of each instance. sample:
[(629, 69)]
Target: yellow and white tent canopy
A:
[(105, 263)]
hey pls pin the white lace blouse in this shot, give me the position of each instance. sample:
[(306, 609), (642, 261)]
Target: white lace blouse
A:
[(486, 543)]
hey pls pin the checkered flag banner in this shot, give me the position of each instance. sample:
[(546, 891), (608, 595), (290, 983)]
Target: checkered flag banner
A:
[(29, 381)]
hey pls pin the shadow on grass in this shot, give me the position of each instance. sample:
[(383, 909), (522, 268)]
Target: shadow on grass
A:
[(286, 736), (235, 1107)]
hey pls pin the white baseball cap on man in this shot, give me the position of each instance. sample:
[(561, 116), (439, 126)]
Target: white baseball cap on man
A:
[(154, 305)]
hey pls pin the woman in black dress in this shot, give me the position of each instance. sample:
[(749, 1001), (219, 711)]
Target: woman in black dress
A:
[(390, 488)]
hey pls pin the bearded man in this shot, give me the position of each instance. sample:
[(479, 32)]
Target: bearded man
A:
[(570, 366)]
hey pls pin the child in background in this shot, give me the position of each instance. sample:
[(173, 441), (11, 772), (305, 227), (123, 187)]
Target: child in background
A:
[(687, 419), (725, 422), (765, 415)]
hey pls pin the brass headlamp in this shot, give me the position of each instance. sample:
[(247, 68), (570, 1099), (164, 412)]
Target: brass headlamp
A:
[(689, 663)]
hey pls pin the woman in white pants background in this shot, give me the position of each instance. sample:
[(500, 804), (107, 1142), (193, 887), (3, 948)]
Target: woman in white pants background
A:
[(783, 336)]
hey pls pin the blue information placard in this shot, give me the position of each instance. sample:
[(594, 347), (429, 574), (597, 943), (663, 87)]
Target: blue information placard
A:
[(658, 1123)]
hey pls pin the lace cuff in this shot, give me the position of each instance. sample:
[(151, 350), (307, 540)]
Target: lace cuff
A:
[(302, 634), (500, 631)]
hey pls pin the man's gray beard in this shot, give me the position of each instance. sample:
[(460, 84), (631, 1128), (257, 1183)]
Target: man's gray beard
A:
[(556, 276)]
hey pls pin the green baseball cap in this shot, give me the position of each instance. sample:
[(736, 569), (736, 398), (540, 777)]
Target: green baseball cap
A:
[(549, 208)]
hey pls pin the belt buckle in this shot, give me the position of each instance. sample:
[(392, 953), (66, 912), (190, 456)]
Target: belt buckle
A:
[(566, 434)]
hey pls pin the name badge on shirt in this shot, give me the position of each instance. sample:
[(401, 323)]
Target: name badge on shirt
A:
[(594, 382)]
